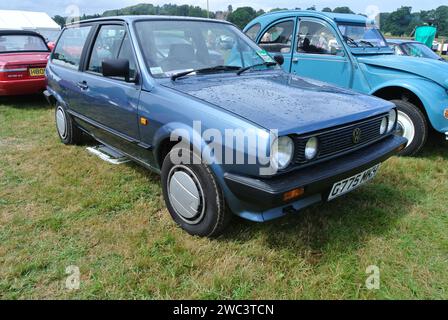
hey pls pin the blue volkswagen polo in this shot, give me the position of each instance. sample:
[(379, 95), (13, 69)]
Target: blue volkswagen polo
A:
[(227, 129), (348, 50)]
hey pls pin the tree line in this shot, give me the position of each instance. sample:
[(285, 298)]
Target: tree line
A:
[(400, 22)]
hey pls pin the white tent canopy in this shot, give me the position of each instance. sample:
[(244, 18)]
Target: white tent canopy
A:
[(28, 20)]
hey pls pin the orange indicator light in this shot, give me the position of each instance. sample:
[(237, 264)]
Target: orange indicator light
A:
[(143, 121), (293, 194)]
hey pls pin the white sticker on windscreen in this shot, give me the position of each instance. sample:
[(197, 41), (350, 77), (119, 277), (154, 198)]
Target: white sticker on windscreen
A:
[(265, 56), (156, 70)]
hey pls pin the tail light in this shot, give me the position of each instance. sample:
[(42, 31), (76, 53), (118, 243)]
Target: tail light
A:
[(13, 72)]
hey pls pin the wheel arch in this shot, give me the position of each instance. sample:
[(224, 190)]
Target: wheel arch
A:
[(171, 134), (395, 92), (164, 147), (54, 98)]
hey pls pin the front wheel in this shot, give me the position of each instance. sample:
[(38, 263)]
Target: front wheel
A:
[(194, 199), (411, 124)]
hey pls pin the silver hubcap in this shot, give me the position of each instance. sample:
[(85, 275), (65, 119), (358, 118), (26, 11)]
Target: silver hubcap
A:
[(185, 194), (405, 127), (61, 122)]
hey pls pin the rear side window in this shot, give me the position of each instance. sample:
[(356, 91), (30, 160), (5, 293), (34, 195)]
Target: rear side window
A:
[(69, 48), (252, 32)]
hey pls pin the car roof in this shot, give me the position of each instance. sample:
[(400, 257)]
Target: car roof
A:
[(131, 19), (338, 17), (19, 32)]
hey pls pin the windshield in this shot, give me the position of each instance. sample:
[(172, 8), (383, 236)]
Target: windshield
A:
[(419, 50), (170, 47), (362, 35), (18, 43)]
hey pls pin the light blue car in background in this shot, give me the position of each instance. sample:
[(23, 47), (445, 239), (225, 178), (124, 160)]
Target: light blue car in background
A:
[(349, 51)]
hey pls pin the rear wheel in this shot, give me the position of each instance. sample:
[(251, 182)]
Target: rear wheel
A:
[(411, 124), (193, 197), (68, 132)]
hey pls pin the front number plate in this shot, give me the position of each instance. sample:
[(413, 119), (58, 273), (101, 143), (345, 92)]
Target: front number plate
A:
[(37, 72), (349, 184)]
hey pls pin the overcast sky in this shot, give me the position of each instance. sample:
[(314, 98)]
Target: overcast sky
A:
[(60, 7)]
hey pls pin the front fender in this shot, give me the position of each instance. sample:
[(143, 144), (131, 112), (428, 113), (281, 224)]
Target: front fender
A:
[(172, 130), (433, 97)]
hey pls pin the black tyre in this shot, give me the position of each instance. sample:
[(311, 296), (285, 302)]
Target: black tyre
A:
[(412, 125), (67, 130), (193, 197)]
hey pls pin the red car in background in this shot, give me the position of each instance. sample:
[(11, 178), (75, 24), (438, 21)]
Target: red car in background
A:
[(23, 58)]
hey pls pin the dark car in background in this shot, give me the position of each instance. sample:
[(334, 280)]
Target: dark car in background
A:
[(412, 48), (23, 58)]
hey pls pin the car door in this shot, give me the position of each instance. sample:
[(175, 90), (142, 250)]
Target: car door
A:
[(110, 104), (278, 38), (318, 53)]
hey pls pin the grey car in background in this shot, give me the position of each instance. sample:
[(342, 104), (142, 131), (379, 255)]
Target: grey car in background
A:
[(412, 48)]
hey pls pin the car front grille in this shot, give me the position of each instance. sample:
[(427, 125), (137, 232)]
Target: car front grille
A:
[(339, 140)]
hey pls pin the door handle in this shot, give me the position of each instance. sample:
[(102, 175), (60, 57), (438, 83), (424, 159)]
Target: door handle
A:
[(295, 60), (82, 85)]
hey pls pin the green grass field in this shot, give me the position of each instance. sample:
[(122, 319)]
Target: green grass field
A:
[(60, 206)]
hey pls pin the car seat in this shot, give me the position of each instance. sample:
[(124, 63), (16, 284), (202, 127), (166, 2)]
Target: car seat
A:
[(181, 56)]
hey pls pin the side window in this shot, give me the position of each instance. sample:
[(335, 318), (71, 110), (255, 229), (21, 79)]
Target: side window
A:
[(112, 42), (126, 52), (397, 50), (278, 38), (252, 32), (69, 48), (316, 38), (107, 46)]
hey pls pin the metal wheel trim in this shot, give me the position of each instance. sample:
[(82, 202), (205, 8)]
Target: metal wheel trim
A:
[(61, 122), (185, 194), (406, 127)]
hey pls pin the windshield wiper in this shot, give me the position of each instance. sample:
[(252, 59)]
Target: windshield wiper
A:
[(350, 40), (204, 70), (367, 43), (266, 63)]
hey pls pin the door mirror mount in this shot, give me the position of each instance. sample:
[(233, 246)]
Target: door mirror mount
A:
[(338, 51), (116, 68), (279, 59)]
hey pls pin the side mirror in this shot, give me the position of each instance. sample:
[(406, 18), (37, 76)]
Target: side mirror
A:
[(51, 45), (116, 68), (279, 59)]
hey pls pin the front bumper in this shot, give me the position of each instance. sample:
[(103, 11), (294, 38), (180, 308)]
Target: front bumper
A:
[(316, 180)]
